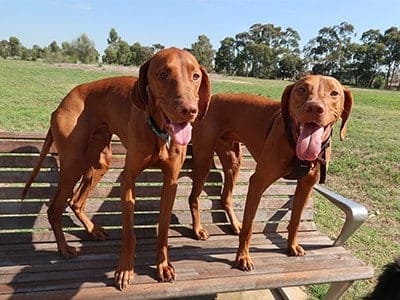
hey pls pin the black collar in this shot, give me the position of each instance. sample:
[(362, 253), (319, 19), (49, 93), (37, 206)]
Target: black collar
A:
[(157, 131)]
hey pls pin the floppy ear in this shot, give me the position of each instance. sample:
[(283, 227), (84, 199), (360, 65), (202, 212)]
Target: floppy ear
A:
[(285, 101), (348, 104), (139, 92), (204, 94)]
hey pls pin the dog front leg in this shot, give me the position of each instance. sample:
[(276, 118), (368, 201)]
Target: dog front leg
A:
[(301, 196), (165, 270), (259, 181), (124, 272)]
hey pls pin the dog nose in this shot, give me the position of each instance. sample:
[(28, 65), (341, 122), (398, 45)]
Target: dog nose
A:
[(189, 110), (314, 107)]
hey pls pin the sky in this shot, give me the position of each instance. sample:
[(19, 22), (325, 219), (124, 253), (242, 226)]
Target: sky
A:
[(180, 22)]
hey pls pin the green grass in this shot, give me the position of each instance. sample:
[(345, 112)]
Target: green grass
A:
[(365, 167), (30, 91)]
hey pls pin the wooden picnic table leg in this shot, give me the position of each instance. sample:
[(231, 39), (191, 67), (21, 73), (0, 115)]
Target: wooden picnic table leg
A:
[(337, 289)]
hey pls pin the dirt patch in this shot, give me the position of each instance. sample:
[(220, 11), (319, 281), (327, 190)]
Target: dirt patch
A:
[(131, 70), (134, 71), (220, 77)]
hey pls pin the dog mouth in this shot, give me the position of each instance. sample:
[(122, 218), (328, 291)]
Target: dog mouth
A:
[(310, 138), (180, 132)]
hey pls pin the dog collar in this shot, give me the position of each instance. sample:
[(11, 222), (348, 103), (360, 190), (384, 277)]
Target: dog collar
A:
[(157, 131)]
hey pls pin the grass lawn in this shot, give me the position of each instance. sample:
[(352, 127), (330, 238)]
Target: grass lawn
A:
[(365, 167)]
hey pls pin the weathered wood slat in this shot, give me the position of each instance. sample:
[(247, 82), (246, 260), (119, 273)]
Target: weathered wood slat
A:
[(17, 207), (50, 175), (144, 218)]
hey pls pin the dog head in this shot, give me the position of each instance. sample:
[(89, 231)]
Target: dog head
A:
[(314, 104), (174, 84)]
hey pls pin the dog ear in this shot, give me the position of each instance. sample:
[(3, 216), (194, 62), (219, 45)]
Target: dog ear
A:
[(347, 106), (139, 91), (204, 93), (285, 101)]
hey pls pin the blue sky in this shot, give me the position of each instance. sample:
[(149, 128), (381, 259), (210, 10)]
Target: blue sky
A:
[(180, 22)]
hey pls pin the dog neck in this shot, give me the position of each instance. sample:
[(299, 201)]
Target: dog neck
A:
[(158, 132), (152, 123)]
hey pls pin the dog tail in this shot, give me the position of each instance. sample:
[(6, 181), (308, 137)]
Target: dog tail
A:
[(45, 149)]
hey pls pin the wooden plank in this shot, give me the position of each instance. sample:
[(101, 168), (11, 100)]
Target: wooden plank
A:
[(193, 263), (78, 234), (143, 218), (26, 161), (103, 205), (23, 146)]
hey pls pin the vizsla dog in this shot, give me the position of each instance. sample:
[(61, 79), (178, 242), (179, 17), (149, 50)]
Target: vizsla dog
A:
[(172, 91), (287, 139), (152, 116)]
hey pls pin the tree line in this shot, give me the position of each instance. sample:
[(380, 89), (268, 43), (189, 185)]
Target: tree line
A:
[(264, 51)]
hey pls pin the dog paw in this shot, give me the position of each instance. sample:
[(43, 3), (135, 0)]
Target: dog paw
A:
[(98, 233), (68, 252), (165, 272), (201, 234), (244, 262), (296, 250), (123, 276)]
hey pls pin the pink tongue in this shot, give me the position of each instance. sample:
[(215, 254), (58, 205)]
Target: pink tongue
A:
[(182, 133), (309, 141)]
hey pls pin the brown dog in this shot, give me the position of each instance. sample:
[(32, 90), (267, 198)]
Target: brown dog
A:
[(172, 91), (275, 134)]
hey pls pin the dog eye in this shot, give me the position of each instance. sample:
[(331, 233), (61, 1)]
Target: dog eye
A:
[(301, 90), (196, 76), (334, 93), (164, 75)]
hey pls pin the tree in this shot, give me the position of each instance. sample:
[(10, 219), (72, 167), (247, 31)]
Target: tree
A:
[(37, 52), (391, 39), (113, 37), (330, 49), (14, 46), (242, 61), (4, 49), (157, 47), (123, 53), (202, 50), (289, 66), (110, 53), (290, 63), (265, 49), (225, 57), (53, 53), (368, 58), (82, 50), (140, 54)]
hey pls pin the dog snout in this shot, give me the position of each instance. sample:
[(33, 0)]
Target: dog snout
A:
[(189, 110), (314, 108)]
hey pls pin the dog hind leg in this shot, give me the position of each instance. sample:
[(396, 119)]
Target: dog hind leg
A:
[(68, 177), (202, 159), (99, 155), (230, 156)]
